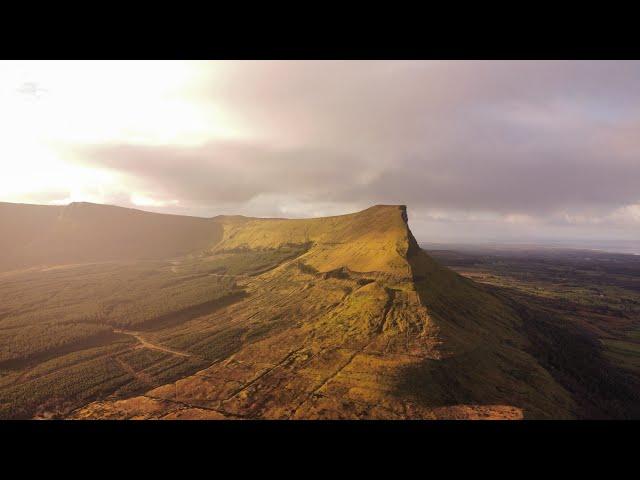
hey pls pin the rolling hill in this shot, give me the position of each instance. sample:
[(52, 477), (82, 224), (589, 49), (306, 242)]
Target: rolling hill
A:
[(86, 232), (339, 317)]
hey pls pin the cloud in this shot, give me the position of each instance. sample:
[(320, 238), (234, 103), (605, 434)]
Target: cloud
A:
[(228, 172), (528, 136), (511, 147)]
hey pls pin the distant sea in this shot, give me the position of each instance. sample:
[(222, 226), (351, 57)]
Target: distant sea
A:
[(630, 247)]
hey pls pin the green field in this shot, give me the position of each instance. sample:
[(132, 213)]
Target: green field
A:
[(581, 311), (64, 331)]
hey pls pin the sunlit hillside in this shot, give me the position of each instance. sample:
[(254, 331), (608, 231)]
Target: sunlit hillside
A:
[(117, 313)]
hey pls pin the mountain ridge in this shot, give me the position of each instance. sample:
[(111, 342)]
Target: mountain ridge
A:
[(85, 232), (351, 319)]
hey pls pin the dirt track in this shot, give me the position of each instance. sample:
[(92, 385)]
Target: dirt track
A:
[(145, 343)]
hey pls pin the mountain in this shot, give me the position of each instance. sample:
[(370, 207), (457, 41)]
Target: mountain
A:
[(363, 324), (87, 232), (235, 317)]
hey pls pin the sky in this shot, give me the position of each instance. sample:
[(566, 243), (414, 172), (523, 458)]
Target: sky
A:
[(479, 151)]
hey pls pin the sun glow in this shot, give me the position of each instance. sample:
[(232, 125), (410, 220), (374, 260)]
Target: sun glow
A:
[(50, 109)]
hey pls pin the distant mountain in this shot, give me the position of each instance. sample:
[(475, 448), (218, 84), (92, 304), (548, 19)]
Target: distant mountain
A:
[(85, 232)]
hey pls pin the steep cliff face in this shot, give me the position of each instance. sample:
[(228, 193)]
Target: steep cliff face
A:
[(362, 324)]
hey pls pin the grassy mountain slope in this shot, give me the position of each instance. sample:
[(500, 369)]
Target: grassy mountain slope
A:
[(357, 323)]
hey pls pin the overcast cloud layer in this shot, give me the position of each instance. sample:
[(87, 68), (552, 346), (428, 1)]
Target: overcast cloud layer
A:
[(479, 151)]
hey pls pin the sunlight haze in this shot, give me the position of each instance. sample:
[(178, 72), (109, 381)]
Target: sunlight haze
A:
[(479, 151)]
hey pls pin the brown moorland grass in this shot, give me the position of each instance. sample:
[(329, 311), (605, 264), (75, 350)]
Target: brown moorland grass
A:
[(337, 317)]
